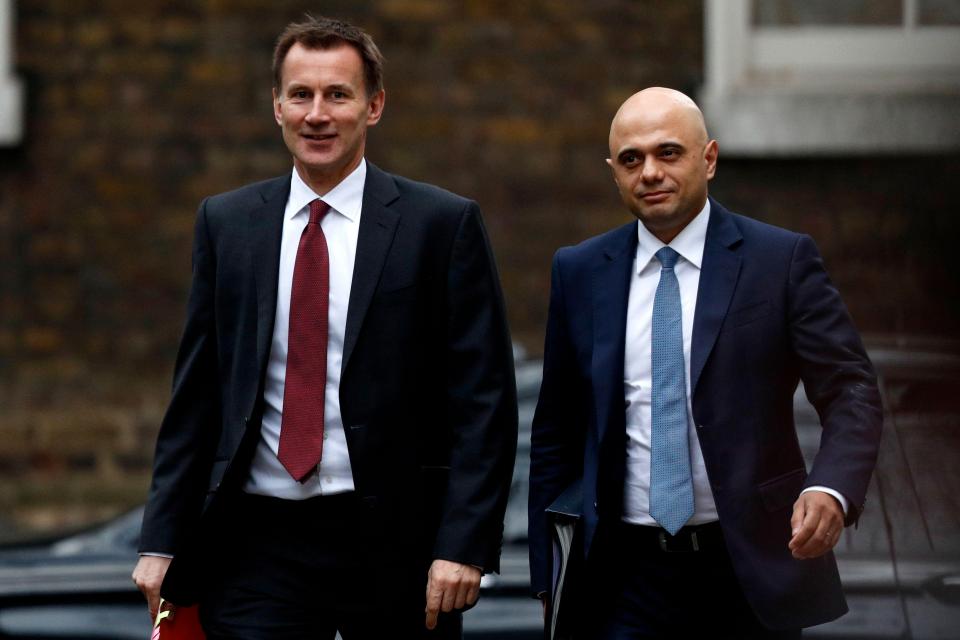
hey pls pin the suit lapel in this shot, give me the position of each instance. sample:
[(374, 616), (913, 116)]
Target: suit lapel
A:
[(378, 225), (266, 230), (718, 279), (611, 289)]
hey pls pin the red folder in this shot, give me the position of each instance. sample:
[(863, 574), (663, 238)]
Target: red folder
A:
[(177, 623)]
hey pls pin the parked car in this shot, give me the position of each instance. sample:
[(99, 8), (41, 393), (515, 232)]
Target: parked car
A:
[(900, 567), (76, 587)]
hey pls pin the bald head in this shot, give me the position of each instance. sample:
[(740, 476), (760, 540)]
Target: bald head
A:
[(659, 104), (662, 159)]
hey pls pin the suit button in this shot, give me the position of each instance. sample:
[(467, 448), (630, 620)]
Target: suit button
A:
[(596, 504), (699, 427)]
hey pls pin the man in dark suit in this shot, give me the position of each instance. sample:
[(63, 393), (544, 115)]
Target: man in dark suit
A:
[(673, 350), (338, 449)]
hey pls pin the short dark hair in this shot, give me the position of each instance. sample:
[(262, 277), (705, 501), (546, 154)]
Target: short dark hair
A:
[(327, 33)]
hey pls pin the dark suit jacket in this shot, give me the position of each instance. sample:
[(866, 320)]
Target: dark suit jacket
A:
[(767, 316), (427, 391)]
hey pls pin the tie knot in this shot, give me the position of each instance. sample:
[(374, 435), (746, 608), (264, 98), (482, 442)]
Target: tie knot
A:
[(318, 209), (667, 257)]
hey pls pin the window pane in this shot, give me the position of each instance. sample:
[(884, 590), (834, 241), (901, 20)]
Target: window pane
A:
[(790, 13), (939, 12)]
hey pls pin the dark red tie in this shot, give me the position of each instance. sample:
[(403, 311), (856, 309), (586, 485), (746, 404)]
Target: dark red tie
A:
[(301, 427)]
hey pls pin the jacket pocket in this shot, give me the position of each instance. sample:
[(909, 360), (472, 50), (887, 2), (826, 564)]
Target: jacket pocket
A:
[(747, 313), (435, 474), (393, 294), (782, 491)]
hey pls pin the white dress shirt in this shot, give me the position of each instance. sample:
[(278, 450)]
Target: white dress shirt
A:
[(341, 227), (637, 374)]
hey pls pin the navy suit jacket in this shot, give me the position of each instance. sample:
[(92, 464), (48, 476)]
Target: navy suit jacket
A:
[(767, 316), (427, 391)]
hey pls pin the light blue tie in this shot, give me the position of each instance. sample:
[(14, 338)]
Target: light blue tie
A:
[(671, 487)]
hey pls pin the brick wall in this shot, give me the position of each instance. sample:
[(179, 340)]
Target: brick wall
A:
[(138, 110), (887, 228)]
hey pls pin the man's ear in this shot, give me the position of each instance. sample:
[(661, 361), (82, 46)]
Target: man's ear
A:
[(375, 107), (276, 106), (614, 173), (710, 155)]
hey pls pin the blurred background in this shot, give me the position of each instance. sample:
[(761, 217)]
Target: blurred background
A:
[(836, 118)]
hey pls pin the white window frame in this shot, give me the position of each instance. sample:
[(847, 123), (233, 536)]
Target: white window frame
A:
[(829, 90), (11, 88)]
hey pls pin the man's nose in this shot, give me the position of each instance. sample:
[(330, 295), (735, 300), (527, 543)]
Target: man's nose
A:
[(318, 111), (651, 170)]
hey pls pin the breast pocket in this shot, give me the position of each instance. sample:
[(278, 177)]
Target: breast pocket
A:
[(397, 295), (747, 314)]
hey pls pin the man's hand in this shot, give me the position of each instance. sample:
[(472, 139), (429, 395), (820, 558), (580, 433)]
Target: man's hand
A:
[(148, 576), (450, 585), (817, 524)]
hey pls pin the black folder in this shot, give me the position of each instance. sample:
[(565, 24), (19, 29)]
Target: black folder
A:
[(563, 518)]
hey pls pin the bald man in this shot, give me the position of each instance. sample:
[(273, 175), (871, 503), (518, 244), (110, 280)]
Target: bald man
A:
[(673, 350)]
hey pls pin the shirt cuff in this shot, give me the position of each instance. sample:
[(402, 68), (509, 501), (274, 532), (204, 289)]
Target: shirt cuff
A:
[(157, 554), (835, 494)]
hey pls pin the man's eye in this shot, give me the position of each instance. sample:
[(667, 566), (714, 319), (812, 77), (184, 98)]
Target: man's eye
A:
[(668, 153), (630, 159), (299, 95), (338, 95)]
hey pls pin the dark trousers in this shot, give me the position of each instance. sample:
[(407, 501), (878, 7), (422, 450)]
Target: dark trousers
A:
[(644, 585), (299, 570)]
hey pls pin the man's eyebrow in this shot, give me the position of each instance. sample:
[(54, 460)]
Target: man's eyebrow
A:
[(667, 144), (671, 144), (299, 86)]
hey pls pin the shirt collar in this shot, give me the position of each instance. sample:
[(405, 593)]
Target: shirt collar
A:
[(346, 198), (688, 243)]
